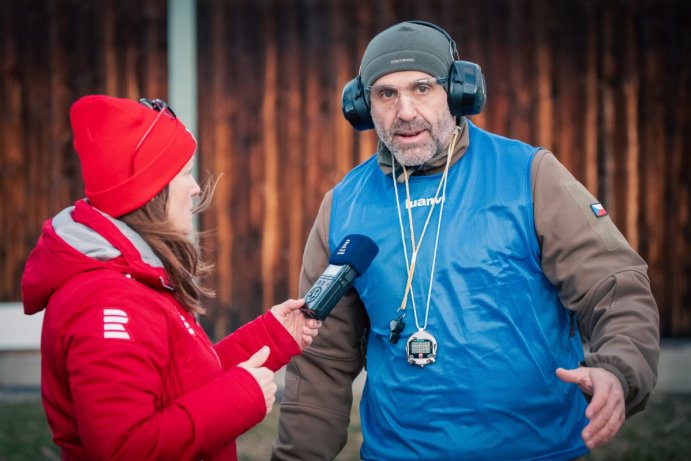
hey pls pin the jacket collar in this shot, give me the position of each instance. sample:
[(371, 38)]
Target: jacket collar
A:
[(81, 239)]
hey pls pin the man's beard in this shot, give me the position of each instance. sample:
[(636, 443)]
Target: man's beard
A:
[(418, 153)]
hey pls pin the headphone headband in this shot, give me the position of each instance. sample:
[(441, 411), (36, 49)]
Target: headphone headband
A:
[(452, 44)]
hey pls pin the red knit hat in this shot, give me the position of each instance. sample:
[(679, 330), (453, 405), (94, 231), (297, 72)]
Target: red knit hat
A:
[(121, 170)]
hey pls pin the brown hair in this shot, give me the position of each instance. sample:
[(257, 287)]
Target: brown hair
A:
[(180, 253)]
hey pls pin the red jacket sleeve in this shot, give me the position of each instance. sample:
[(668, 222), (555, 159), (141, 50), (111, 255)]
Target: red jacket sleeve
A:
[(248, 339)]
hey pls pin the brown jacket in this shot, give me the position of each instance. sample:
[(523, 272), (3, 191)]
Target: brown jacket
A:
[(598, 275)]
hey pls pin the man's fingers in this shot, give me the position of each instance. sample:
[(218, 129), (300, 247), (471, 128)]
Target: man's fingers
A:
[(580, 376), (569, 376), (604, 427), (606, 410), (310, 330), (313, 323), (599, 414), (601, 398)]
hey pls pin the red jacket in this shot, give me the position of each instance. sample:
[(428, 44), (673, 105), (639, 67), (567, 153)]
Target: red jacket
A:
[(127, 373)]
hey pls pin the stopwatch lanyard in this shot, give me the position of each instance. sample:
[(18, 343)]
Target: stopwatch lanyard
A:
[(415, 248)]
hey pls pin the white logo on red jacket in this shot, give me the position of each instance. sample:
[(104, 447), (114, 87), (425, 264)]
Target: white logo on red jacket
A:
[(114, 321), (187, 325)]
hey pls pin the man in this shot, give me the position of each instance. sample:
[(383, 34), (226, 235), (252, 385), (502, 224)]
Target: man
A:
[(489, 253)]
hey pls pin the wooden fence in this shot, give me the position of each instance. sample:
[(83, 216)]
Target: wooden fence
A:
[(604, 84)]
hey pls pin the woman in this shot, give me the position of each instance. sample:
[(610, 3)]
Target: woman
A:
[(127, 373)]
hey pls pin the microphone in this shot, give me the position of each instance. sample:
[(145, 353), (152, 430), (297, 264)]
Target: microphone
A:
[(353, 257)]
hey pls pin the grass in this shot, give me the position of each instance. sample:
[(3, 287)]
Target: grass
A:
[(24, 432), (661, 433)]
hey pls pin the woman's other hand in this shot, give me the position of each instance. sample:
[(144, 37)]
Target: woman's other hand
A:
[(264, 376)]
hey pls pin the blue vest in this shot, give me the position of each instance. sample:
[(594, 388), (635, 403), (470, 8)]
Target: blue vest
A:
[(492, 393)]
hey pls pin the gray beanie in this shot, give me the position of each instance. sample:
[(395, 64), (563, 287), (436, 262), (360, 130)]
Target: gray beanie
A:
[(406, 46)]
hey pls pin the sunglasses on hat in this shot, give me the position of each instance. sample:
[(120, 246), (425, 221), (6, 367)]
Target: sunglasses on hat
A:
[(161, 107)]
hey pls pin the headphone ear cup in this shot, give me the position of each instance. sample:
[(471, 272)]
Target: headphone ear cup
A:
[(467, 93), (355, 107)]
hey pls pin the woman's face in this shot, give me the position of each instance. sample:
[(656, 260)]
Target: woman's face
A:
[(181, 192)]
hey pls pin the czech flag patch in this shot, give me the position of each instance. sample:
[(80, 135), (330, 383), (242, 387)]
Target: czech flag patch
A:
[(598, 210)]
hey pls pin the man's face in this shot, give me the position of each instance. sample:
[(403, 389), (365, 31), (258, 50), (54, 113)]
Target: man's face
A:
[(411, 115)]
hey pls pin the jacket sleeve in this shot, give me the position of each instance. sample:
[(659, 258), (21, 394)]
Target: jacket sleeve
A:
[(599, 277), (120, 401), (248, 339), (316, 404)]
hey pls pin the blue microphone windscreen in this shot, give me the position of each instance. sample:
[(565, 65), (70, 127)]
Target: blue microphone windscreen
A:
[(355, 250)]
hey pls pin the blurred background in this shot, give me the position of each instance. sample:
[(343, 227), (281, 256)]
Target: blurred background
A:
[(604, 84)]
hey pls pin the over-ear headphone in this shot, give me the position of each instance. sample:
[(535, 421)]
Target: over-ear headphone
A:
[(465, 89)]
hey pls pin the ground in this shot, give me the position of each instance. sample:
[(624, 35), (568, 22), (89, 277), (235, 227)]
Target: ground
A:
[(661, 433)]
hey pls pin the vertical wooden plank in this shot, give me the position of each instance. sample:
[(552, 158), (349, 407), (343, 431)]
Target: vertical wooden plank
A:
[(315, 170), (31, 136), (630, 93), (473, 20), (249, 48), (386, 14), (33, 168), (151, 55), (653, 162), (615, 79), (521, 78), (678, 169), (110, 50), (543, 73), (293, 210), (62, 157), (32, 59), (343, 139), (12, 164), (80, 22), (270, 241), (569, 87), (607, 118), (681, 12), (128, 83), (367, 28), (425, 11), (216, 137), (496, 35), (591, 101)]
